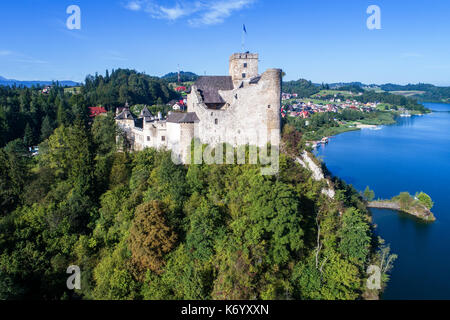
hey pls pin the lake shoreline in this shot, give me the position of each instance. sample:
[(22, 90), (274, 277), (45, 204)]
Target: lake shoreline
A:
[(411, 155), (419, 212)]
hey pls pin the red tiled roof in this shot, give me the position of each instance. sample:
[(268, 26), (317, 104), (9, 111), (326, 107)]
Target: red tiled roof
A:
[(95, 111)]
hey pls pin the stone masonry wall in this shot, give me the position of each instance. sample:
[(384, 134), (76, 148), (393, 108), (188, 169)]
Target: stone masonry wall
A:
[(249, 116)]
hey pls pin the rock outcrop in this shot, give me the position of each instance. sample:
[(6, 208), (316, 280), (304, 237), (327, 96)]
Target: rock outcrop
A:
[(317, 173)]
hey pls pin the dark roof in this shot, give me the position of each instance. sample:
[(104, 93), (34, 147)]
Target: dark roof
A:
[(145, 113), (255, 80), (181, 117), (209, 87), (125, 114)]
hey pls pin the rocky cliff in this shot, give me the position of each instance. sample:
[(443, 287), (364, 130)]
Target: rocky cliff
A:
[(307, 162)]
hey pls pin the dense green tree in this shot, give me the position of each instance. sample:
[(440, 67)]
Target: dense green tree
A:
[(355, 236), (425, 200), (150, 237), (206, 225), (405, 200), (28, 138), (369, 195), (14, 162), (113, 280), (46, 128)]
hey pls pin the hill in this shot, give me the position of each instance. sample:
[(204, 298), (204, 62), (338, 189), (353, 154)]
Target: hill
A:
[(302, 87), (11, 82), (421, 91), (124, 85), (184, 76)]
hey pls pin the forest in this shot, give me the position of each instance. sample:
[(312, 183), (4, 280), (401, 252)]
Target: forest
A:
[(393, 99), (142, 228), (27, 112), (431, 93), (184, 76), (302, 87)]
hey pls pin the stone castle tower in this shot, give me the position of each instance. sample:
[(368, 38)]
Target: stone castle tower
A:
[(242, 108), (243, 66)]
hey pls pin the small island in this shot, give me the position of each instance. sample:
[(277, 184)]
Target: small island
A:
[(418, 206)]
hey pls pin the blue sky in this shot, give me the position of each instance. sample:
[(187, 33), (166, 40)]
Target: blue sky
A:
[(322, 41)]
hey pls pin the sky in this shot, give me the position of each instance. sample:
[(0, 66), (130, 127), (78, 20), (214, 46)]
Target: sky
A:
[(319, 40)]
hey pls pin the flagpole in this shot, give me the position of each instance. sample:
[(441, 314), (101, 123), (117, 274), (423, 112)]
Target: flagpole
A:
[(244, 32), (243, 41)]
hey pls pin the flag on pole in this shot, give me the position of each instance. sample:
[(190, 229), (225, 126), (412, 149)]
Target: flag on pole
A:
[(244, 33)]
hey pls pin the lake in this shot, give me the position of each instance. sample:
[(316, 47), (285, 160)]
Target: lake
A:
[(412, 155)]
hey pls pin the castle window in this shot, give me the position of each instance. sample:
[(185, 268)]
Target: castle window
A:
[(163, 138), (245, 65), (148, 138), (216, 121), (244, 75)]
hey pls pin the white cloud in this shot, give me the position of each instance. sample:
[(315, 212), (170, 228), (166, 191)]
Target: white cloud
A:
[(199, 12), (218, 11), (5, 53), (173, 13), (134, 5)]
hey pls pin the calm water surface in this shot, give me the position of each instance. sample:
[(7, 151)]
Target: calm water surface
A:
[(412, 155)]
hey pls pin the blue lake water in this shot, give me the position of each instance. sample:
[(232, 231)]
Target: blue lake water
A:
[(412, 155)]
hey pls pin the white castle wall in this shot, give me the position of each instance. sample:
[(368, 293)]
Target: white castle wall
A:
[(250, 114)]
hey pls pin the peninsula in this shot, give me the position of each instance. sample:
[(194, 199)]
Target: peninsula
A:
[(418, 206)]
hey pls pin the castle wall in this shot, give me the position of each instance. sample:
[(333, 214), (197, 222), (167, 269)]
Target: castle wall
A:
[(150, 136), (249, 116)]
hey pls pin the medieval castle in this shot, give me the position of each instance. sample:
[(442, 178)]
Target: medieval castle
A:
[(240, 109)]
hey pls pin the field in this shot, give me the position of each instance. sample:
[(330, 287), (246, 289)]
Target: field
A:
[(408, 93), (332, 92), (72, 90)]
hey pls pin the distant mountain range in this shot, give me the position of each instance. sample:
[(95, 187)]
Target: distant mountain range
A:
[(11, 82)]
